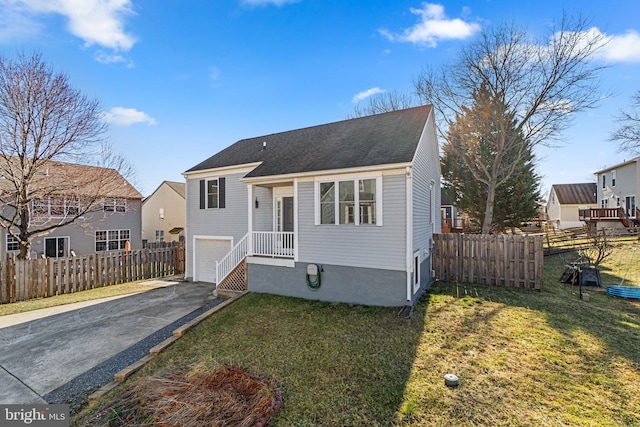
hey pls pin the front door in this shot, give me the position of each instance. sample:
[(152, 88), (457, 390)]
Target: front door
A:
[(55, 247), (630, 204), (287, 214)]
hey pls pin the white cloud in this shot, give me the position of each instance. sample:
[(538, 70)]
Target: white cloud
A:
[(267, 2), (366, 94), (615, 47), (433, 26), (622, 48), (106, 58), (97, 22), (121, 116)]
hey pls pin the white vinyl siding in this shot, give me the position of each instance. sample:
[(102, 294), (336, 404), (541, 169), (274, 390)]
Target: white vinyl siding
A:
[(380, 247), (344, 200), (426, 190), (230, 221)]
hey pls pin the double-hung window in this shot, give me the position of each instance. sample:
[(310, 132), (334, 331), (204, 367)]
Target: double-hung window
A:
[(115, 205), (12, 243), (112, 240), (348, 200), (212, 194)]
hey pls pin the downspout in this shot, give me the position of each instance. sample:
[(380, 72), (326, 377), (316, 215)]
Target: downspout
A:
[(409, 219)]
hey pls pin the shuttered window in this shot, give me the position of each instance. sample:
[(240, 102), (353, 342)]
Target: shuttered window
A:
[(212, 193)]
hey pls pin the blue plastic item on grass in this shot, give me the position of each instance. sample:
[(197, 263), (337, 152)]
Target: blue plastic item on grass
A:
[(624, 291)]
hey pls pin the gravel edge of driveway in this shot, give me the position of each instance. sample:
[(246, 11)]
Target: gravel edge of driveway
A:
[(76, 392)]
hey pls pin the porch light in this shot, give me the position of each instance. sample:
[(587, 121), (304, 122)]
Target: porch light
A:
[(256, 203)]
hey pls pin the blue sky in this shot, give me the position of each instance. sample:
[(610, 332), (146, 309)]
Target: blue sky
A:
[(180, 80)]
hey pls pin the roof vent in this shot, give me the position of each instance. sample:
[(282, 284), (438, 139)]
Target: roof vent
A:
[(264, 145)]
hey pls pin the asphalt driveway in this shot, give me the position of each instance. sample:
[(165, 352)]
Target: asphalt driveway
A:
[(43, 350)]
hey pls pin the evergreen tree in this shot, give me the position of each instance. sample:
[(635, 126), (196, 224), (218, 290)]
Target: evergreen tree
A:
[(476, 164)]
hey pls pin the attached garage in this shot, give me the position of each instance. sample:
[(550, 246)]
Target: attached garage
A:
[(207, 250)]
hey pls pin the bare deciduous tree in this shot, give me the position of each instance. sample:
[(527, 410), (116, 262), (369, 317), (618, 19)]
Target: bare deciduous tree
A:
[(385, 102), (46, 127), (628, 133), (541, 85)]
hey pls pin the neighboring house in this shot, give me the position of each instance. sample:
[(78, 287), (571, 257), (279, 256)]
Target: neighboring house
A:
[(114, 222), (452, 218), (163, 214), (566, 200), (617, 194), (341, 212)]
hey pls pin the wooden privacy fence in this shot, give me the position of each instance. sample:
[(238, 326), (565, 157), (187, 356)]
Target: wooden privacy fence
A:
[(21, 280), (502, 260)]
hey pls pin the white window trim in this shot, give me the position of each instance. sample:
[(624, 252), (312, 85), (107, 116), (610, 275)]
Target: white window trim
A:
[(613, 178), (348, 177), (113, 204), (107, 240), (6, 243), (67, 246), (206, 192), (416, 274)]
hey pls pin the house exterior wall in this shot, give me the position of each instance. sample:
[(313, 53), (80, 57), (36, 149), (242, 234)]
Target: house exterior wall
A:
[(426, 216), (564, 216), (81, 233), (627, 184), (232, 220), (173, 206), (368, 286), (263, 216), (364, 246)]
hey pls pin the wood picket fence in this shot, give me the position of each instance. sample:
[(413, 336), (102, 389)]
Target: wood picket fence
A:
[(503, 260), (22, 280)]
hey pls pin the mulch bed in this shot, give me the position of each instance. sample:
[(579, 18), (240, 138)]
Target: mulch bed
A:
[(193, 397)]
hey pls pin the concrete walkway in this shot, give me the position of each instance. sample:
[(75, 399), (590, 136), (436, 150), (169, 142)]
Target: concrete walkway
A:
[(44, 349)]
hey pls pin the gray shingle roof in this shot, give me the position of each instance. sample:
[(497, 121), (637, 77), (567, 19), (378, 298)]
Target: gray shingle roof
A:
[(367, 141), (575, 194)]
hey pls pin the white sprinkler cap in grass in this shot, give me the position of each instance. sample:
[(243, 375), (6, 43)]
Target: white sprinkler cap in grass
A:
[(451, 380)]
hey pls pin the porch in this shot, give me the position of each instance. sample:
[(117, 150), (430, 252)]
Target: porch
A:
[(267, 244), (593, 215)]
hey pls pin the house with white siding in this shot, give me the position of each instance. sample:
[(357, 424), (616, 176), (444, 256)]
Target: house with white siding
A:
[(341, 212), (566, 201), (617, 192)]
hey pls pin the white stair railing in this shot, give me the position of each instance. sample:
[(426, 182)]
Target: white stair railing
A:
[(231, 260)]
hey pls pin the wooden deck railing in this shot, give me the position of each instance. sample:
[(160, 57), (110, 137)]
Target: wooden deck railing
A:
[(608, 214)]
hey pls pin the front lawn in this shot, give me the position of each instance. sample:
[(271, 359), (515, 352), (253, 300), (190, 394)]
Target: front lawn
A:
[(523, 358)]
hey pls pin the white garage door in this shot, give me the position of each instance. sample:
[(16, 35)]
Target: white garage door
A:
[(207, 252)]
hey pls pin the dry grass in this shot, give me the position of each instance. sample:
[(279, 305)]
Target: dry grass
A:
[(191, 397)]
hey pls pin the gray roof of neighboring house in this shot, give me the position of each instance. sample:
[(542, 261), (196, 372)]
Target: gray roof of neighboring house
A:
[(367, 141), (575, 194)]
